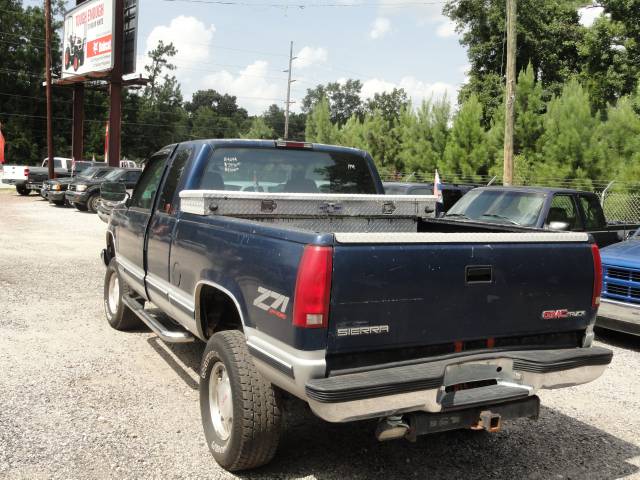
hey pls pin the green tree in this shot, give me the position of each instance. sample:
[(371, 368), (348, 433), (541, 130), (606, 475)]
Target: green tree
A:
[(548, 32), (343, 98), (388, 104), (616, 149), (565, 147), (259, 130), (609, 62), (319, 128), (423, 135), (274, 118), (466, 152)]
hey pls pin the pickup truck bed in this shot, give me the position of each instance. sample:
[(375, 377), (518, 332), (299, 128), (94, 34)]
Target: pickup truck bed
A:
[(358, 322)]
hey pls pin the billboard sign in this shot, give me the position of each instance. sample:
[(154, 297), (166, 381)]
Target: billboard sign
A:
[(88, 38)]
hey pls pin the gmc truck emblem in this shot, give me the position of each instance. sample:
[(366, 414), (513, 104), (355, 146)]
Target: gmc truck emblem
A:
[(272, 302), (563, 313)]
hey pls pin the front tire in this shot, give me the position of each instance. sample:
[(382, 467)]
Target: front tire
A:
[(118, 314), (240, 410), (80, 206), (92, 203)]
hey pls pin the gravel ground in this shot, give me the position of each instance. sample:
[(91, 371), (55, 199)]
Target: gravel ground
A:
[(80, 400)]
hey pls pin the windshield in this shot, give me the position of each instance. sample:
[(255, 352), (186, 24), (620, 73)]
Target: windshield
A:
[(114, 175), (286, 170), (89, 172), (498, 206)]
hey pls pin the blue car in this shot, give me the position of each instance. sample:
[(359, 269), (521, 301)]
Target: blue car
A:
[(620, 304)]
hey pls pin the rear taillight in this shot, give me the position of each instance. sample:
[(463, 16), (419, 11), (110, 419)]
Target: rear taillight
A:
[(26, 172), (313, 288), (597, 275)]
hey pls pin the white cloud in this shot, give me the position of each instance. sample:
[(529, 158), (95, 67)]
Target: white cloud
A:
[(446, 29), (380, 27), (250, 85), (310, 56), (193, 41), (417, 90), (588, 15)]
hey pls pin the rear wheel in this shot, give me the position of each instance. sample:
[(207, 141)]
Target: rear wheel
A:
[(240, 409), (22, 190), (118, 314)]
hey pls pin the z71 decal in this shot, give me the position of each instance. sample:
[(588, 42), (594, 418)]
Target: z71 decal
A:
[(272, 302)]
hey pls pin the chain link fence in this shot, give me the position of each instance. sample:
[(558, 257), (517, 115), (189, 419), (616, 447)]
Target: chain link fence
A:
[(620, 200)]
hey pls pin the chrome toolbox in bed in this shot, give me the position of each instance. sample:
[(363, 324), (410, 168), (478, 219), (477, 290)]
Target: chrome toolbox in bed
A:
[(314, 211)]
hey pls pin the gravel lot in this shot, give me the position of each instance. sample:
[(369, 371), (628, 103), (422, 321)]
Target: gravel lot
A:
[(80, 400)]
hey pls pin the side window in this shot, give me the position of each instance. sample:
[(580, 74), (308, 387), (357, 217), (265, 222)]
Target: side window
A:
[(148, 183), (563, 209), (593, 215), (173, 178)]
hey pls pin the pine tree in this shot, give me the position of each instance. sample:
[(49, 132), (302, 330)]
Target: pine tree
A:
[(466, 153), (259, 130), (319, 128), (565, 147)]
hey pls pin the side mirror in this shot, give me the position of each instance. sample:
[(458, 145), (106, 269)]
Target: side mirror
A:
[(113, 191), (560, 226)]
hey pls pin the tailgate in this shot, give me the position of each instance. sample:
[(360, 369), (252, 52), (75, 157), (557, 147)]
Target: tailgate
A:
[(12, 172), (437, 289)]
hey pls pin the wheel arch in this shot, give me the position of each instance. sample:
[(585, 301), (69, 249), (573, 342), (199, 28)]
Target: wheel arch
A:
[(209, 294)]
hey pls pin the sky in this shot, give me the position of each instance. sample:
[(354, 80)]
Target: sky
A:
[(242, 49)]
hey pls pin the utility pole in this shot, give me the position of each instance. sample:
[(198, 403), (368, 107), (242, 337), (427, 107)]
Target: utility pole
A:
[(47, 49), (510, 93), (289, 102), (115, 86)]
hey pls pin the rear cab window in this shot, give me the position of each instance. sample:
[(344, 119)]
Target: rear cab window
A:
[(277, 170)]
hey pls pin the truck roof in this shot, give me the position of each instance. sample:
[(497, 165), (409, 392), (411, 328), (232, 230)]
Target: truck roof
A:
[(248, 143)]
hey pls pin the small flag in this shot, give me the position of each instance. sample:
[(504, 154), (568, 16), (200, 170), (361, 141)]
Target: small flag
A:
[(1, 146), (106, 144), (437, 188)]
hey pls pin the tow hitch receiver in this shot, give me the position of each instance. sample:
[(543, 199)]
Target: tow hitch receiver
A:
[(489, 418), (489, 421)]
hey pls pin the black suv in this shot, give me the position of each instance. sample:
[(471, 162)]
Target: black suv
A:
[(54, 190), (84, 195)]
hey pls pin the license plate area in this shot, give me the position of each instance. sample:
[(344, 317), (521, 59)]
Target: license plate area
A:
[(499, 369)]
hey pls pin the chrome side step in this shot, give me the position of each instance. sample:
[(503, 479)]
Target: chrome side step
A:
[(167, 334)]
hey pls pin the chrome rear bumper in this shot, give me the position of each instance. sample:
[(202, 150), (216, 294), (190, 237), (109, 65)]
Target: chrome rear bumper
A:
[(429, 386)]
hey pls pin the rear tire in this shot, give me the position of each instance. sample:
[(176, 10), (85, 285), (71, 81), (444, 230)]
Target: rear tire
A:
[(249, 438), (118, 314), (22, 190)]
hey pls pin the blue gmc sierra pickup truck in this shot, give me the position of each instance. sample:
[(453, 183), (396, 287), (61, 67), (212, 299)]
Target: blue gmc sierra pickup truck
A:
[(305, 280)]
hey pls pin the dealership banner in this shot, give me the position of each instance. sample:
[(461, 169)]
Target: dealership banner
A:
[(88, 38)]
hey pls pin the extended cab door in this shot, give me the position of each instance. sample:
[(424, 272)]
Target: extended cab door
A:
[(131, 224), (162, 291)]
